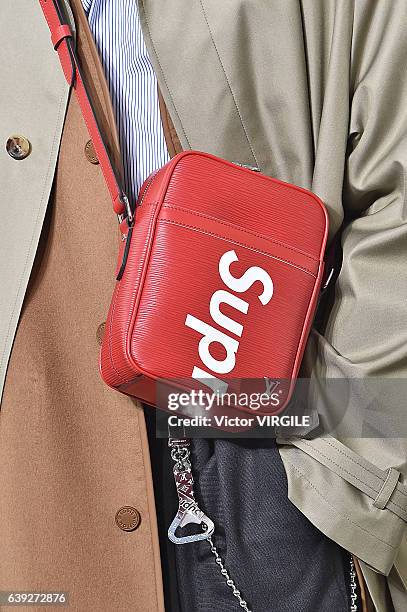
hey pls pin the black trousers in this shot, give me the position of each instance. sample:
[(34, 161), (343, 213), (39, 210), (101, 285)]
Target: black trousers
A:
[(278, 559)]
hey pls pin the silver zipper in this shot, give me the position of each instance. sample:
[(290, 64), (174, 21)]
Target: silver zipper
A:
[(146, 188)]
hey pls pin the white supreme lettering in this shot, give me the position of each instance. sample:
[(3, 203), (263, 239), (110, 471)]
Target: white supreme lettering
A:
[(211, 334)]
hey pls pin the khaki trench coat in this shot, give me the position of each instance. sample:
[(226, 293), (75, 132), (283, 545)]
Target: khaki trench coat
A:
[(312, 92)]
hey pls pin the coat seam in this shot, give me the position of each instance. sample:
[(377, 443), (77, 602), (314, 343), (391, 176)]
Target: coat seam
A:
[(352, 475), (364, 467), (228, 84), (246, 231), (345, 516)]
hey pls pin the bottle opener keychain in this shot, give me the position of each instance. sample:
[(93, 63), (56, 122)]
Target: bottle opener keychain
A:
[(189, 511)]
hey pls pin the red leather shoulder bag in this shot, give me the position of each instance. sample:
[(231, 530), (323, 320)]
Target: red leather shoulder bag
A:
[(218, 274)]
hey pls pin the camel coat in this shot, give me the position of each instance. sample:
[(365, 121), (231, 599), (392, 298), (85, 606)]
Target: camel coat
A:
[(312, 92), (72, 452)]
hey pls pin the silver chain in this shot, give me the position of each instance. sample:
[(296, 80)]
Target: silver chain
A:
[(353, 587), (180, 454), (228, 579)]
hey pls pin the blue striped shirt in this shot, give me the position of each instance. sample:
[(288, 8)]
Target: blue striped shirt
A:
[(116, 28)]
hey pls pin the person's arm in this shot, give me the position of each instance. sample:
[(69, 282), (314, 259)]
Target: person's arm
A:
[(343, 485)]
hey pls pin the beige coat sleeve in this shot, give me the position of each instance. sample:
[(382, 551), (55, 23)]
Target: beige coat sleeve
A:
[(346, 485), (314, 92)]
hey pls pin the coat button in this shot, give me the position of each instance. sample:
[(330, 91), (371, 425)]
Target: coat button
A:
[(18, 147), (100, 332), (91, 153), (128, 518)]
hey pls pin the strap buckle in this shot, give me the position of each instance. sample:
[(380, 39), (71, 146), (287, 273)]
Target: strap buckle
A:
[(128, 214)]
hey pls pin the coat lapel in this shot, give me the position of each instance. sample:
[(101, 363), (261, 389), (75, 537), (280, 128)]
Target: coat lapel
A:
[(96, 82), (235, 85)]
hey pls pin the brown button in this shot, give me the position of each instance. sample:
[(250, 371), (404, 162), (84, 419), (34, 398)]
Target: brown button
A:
[(18, 147), (100, 332), (128, 518), (91, 153)]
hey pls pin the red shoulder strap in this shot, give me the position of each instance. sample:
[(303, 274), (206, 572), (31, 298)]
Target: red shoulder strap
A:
[(62, 40)]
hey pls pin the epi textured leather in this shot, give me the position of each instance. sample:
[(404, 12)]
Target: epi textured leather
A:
[(218, 274), (221, 282)]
